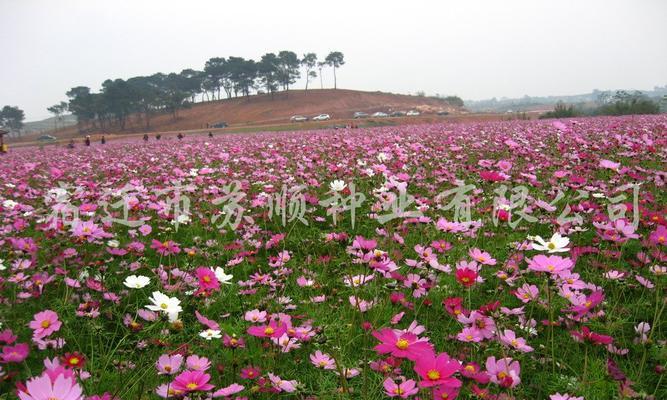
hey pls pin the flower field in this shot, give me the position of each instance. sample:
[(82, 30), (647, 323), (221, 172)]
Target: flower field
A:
[(508, 260)]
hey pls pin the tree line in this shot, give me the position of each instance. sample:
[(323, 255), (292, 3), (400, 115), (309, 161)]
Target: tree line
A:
[(620, 103), (147, 96)]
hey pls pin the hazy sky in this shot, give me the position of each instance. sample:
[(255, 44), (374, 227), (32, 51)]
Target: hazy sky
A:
[(475, 49)]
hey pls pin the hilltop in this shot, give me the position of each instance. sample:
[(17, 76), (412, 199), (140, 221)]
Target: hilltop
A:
[(263, 109)]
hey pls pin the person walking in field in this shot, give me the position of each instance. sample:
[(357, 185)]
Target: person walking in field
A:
[(103, 140), (180, 136), (145, 137), (88, 140)]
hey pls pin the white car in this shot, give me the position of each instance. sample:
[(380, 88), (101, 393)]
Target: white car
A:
[(379, 114), (298, 118), (412, 113), (322, 117)]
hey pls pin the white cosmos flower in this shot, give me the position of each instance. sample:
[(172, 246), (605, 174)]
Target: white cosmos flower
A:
[(136, 281), (382, 157), (557, 244), (222, 276), (9, 204), (183, 219), (337, 185), (169, 305), (113, 243), (210, 334), (2, 266)]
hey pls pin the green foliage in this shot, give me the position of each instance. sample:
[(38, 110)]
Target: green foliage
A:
[(12, 118), (561, 110), (455, 101), (625, 103)]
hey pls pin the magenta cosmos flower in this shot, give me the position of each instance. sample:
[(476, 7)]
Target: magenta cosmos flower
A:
[(44, 323), (14, 354), (274, 329), (192, 381), (437, 370), (42, 388), (401, 344), (207, 279)]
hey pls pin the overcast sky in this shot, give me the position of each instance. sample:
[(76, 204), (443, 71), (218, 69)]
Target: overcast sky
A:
[(474, 49)]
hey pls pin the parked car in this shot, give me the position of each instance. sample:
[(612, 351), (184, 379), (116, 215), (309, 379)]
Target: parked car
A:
[(360, 114), (412, 113), (298, 118), (46, 138), (443, 112), (380, 114), (322, 117), (398, 114), (221, 124)]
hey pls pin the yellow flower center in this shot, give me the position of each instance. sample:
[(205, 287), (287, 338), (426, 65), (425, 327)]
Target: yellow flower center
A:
[(268, 331), (74, 361), (433, 375), (402, 344), (46, 324), (551, 246), (191, 386), (207, 279), (470, 368), (164, 306), (398, 391), (502, 375)]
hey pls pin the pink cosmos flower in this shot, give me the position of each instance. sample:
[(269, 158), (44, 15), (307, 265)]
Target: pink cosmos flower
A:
[(481, 257), (15, 354), (192, 381), (659, 236), (403, 389), (401, 344), (228, 391), (550, 264), (469, 334), (509, 338), (527, 293), (445, 392), (44, 323), (322, 360), (437, 370), (42, 388), (145, 230), (504, 372), (558, 396), (196, 363), (255, 316), (279, 383), (88, 230), (165, 248), (169, 365), (591, 302)]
